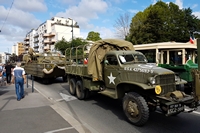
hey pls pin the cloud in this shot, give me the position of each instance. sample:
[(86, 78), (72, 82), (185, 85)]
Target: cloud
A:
[(85, 11), (19, 21), (179, 3), (154, 1), (194, 6), (133, 11), (68, 2), (19, 18), (197, 14), (30, 5)]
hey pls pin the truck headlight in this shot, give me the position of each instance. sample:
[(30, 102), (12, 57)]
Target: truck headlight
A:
[(177, 78), (152, 80)]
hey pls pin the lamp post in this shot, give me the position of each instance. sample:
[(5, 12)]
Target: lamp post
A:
[(72, 31), (72, 34)]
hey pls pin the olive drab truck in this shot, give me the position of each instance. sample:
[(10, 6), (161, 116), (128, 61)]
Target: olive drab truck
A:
[(116, 70), (47, 65)]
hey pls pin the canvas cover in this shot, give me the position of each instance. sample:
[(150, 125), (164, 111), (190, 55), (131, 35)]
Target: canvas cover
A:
[(98, 51)]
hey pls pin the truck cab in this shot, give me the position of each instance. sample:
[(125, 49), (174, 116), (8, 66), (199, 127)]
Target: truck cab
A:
[(130, 67)]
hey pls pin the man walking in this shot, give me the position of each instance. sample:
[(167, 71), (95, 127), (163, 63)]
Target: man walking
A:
[(8, 68), (19, 79)]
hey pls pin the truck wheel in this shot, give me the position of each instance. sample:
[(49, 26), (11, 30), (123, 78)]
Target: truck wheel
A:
[(135, 108), (72, 86), (80, 93), (87, 94), (64, 78)]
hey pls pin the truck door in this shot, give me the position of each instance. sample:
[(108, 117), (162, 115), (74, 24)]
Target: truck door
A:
[(111, 71)]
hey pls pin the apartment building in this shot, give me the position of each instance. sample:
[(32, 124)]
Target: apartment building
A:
[(48, 33), (18, 48)]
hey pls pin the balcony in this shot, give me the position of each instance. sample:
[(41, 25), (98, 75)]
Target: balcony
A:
[(45, 34), (36, 46), (52, 34), (45, 41), (52, 41), (26, 43), (36, 35), (26, 38), (46, 47), (26, 48), (36, 41), (49, 34)]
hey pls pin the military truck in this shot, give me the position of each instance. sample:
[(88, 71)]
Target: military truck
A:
[(116, 70), (47, 65)]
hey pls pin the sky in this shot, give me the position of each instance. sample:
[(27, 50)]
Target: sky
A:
[(18, 17)]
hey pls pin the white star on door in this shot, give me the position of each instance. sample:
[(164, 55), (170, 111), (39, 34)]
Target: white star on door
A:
[(111, 78)]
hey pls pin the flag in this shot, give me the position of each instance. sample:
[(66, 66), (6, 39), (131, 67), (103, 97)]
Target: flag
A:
[(191, 39)]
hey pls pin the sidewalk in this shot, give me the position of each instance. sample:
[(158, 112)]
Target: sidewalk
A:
[(32, 114)]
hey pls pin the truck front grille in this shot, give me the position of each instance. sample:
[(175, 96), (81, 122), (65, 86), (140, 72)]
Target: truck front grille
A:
[(167, 82)]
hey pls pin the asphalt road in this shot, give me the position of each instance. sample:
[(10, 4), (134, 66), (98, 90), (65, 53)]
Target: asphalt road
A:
[(101, 114)]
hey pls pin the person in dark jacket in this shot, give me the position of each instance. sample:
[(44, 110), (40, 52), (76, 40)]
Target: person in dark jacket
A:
[(8, 68)]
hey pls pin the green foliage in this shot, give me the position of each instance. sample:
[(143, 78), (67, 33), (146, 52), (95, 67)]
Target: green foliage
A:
[(93, 36), (62, 45), (162, 22)]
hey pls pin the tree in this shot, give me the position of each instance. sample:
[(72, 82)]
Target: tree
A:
[(122, 25), (62, 45), (13, 57), (162, 22), (93, 36)]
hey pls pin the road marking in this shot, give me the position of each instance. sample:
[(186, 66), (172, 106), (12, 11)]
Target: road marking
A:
[(58, 130), (195, 112), (67, 97)]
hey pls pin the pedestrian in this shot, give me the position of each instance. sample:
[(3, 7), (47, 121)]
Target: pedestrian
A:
[(19, 79), (8, 68), (1, 67), (4, 74)]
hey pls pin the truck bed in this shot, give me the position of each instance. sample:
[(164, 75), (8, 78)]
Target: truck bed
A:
[(80, 70)]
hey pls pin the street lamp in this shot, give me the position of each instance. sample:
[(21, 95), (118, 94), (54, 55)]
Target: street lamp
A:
[(72, 31)]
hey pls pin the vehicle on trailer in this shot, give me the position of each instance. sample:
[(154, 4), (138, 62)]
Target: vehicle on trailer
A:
[(116, 70), (178, 57), (47, 66)]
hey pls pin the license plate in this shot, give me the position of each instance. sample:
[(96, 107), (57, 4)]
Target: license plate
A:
[(174, 108)]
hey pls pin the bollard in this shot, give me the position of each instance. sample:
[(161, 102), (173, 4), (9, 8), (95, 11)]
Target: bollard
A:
[(32, 83), (27, 80)]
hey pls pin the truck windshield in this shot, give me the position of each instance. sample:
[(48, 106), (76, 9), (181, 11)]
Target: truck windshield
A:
[(132, 58)]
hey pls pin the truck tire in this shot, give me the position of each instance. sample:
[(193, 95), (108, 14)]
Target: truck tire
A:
[(87, 94), (72, 86), (80, 93), (135, 109), (64, 78)]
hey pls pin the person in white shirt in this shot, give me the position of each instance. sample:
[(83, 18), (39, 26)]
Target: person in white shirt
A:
[(19, 79)]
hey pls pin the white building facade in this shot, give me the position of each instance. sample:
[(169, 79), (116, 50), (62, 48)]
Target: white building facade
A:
[(48, 33), (4, 57)]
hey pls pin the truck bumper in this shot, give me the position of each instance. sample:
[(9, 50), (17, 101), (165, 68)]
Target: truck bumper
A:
[(175, 102)]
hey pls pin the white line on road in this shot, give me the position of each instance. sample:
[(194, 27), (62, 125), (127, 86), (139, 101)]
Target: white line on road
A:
[(58, 130), (67, 97)]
